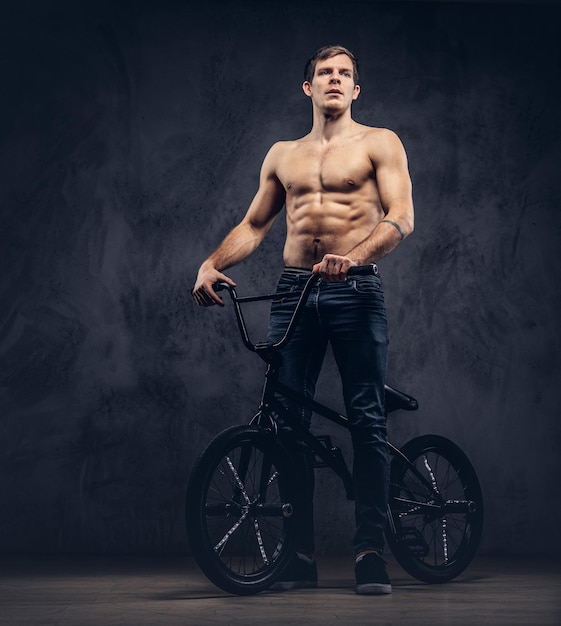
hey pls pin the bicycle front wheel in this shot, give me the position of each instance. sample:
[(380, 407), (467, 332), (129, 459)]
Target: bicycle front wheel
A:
[(240, 511), (435, 509)]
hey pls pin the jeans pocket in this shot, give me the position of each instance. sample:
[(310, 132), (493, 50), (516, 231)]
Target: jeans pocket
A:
[(367, 285), (288, 289)]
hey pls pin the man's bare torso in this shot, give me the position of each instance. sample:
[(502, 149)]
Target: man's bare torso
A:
[(339, 184), (332, 200)]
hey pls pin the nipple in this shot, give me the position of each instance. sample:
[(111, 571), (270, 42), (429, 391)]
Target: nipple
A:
[(351, 182)]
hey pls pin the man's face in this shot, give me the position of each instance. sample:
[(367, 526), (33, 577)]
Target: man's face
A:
[(333, 86)]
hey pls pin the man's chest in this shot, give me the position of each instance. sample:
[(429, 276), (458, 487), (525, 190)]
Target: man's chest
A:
[(305, 169)]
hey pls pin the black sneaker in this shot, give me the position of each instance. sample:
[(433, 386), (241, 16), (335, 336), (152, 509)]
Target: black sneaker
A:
[(371, 576), (301, 573)]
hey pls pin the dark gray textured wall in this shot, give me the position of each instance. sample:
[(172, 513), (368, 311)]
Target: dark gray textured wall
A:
[(132, 136)]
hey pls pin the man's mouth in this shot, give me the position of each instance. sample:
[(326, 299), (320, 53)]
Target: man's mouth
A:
[(336, 91)]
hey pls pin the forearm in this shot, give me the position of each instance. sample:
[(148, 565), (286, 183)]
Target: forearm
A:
[(387, 235), (236, 246)]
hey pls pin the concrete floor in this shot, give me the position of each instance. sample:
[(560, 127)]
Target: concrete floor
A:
[(83, 591)]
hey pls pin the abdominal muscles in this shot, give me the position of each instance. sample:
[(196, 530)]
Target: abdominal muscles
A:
[(320, 223)]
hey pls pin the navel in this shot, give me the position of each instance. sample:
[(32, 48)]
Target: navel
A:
[(316, 244)]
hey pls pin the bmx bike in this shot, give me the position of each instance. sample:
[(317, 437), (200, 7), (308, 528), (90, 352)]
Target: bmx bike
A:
[(242, 510)]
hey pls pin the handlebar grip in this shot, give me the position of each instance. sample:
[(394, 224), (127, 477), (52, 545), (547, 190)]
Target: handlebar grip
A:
[(364, 270), (220, 287)]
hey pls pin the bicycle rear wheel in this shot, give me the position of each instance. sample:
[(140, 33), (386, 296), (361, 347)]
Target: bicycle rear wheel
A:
[(240, 512), (435, 509)]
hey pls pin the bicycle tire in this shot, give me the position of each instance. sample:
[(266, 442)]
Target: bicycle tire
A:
[(241, 529), (435, 509)]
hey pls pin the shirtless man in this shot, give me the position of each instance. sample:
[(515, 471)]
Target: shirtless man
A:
[(347, 194)]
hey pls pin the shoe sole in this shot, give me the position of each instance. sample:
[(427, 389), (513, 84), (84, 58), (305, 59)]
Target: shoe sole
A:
[(374, 589)]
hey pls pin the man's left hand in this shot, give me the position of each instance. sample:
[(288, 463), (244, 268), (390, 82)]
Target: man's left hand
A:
[(333, 268)]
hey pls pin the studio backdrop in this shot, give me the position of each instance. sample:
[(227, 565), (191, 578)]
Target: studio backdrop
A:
[(132, 134)]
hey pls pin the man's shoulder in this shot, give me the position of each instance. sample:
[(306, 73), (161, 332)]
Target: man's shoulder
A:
[(280, 147), (380, 134), (382, 143), (278, 154), (281, 150)]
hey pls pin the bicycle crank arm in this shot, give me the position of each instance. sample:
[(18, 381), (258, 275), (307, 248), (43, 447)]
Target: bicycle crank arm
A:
[(460, 506), (275, 510), (262, 510), (450, 506)]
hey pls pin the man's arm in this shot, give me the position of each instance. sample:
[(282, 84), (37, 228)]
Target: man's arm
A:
[(395, 190), (246, 236)]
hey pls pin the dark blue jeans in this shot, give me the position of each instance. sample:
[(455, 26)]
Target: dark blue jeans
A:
[(352, 317)]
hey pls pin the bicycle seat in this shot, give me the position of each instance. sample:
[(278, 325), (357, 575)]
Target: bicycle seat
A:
[(398, 400)]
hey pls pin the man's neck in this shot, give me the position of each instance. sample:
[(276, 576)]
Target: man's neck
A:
[(327, 126)]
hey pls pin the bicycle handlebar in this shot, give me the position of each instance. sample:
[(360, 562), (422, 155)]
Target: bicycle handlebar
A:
[(357, 270)]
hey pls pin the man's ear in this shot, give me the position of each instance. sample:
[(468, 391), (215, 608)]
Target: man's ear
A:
[(356, 92), (307, 88)]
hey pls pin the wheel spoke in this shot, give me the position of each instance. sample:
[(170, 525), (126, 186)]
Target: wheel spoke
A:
[(220, 545), (260, 541), (238, 480)]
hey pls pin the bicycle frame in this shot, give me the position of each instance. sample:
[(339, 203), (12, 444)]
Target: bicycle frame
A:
[(274, 410)]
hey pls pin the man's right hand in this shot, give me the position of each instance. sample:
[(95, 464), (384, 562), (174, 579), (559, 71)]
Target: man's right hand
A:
[(203, 291)]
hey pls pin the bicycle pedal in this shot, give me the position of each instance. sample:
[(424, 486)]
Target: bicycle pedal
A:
[(414, 541)]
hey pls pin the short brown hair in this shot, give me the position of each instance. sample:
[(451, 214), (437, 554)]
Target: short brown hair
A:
[(326, 53)]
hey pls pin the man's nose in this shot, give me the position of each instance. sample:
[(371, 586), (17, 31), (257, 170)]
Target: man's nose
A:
[(335, 79)]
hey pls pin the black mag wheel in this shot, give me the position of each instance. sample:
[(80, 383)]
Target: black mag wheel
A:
[(435, 509), (240, 512)]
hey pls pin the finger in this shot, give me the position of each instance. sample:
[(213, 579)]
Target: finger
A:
[(339, 273), (212, 298), (199, 298), (334, 271), (204, 298)]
